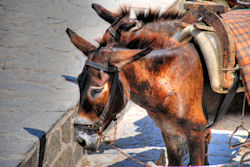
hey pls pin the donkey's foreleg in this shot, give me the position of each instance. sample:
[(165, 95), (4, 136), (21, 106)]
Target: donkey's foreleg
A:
[(195, 141), (175, 149), (207, 141)]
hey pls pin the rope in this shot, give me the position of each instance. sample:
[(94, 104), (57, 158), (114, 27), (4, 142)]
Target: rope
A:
[(126, 154), (110, 142), (235, 68)]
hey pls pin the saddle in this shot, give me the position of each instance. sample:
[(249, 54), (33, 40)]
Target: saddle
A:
[(207, 24)]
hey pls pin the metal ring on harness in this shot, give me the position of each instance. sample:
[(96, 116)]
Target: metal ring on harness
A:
[(246, 142)]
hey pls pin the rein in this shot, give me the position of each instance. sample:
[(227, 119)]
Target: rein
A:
[(98, 126)]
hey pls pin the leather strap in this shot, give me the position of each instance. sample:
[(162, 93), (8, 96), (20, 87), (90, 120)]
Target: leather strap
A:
[(98, 126), (111, 97), (226, 102), (114, 34), (100, 66)]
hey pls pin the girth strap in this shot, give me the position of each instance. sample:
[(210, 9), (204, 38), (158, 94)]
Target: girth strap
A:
[(226, 102)]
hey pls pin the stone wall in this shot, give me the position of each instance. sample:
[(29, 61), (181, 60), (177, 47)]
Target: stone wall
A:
[(56, 148)]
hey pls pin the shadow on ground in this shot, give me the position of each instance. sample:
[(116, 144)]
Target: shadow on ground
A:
[(70, 78), (142, 156), (41, 135), (219, 151), (150, 136)]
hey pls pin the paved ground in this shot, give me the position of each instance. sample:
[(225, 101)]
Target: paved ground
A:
[(35, 57)]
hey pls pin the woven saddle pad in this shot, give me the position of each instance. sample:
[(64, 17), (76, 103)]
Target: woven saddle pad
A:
[(239, 23)]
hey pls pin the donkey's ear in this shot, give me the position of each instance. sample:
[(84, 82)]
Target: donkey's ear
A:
[(104, 13), (123, 57), (80, 43)]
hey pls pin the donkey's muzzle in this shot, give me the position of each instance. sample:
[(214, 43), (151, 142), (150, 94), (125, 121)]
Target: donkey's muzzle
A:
[(87, 138)]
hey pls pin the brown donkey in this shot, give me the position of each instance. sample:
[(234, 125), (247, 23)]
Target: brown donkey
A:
[(168, 83)]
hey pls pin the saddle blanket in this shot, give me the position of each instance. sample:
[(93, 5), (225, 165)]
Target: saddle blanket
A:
[(238, 22)]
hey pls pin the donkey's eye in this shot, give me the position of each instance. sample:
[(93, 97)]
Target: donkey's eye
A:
[(96, 91), (127, 26)]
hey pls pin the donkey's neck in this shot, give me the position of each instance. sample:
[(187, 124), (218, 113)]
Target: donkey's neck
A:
[(166, 27), (155, 80), (146, 79), (147, 38)]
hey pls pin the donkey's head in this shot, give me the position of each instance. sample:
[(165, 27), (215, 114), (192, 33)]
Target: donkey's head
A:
[(102, 94)]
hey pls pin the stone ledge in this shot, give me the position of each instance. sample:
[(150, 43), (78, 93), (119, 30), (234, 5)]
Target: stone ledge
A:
[(49, 141), (56, 147)]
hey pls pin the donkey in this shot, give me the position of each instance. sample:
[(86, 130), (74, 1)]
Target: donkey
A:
[(169, 83)]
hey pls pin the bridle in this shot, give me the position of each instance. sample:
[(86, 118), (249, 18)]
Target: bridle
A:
[(116, 81), (117, 35)]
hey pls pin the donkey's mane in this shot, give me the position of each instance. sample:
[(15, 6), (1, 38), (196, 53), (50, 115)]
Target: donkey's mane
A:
[(151, 15), (154, 40), (123, 11), (156, 15)]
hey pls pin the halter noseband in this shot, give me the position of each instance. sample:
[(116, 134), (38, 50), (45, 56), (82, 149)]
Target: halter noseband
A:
[(116, 81)]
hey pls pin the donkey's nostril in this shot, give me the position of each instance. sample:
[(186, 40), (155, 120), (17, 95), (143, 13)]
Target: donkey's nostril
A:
[(82, 143)]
